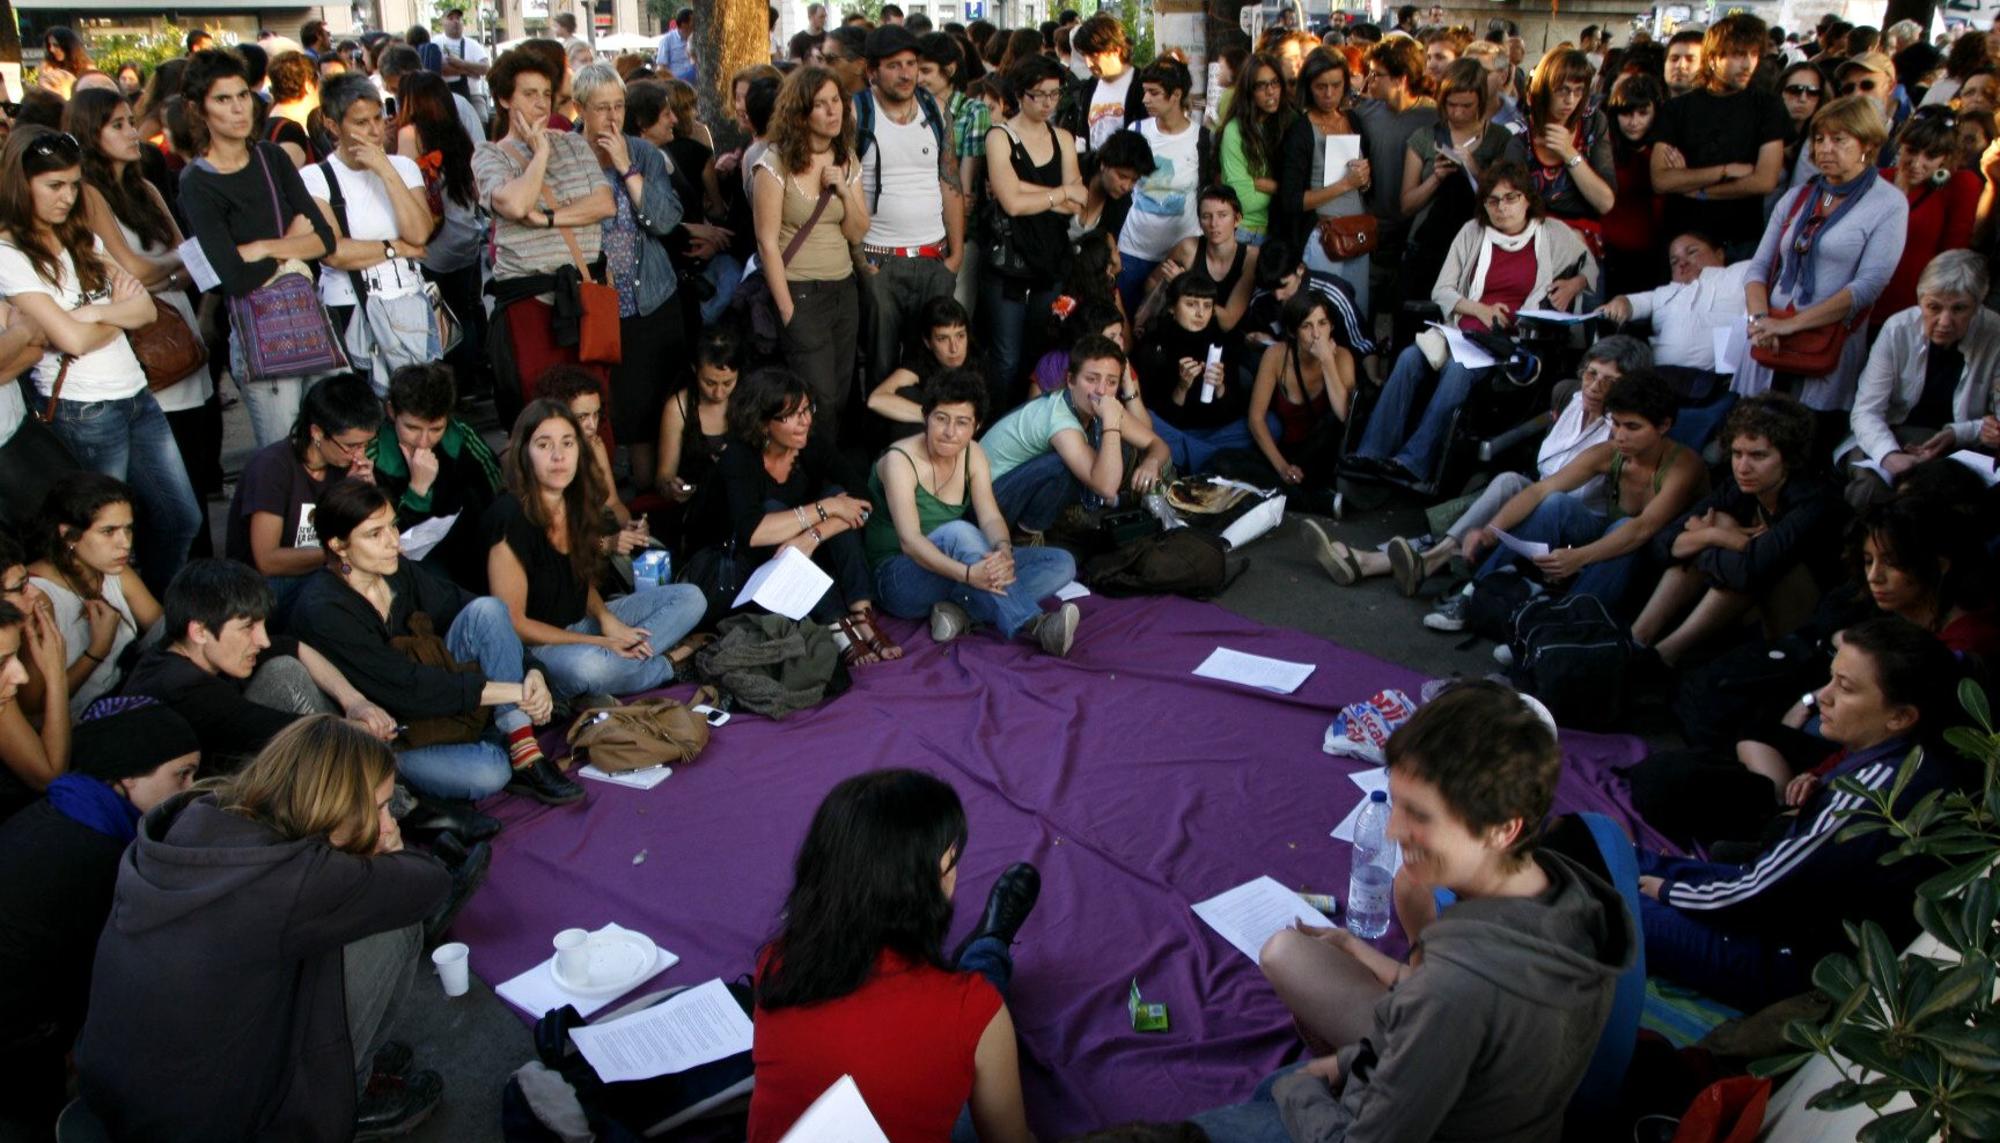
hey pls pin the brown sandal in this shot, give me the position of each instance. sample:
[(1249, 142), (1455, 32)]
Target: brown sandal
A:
[(863, 649)]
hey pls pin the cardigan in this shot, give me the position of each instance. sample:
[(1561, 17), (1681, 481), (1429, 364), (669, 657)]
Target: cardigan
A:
[(1893, 379), (1557, 248)]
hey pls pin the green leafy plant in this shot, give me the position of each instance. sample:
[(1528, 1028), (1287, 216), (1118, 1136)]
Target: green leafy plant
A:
[(1910, 1024), (149, 51)]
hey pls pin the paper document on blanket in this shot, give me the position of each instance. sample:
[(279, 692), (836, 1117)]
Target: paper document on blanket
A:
[(1254, 670), (419, 541), (1071, 590), (1340, 151), (788, 584), (1462, 348), (644, 779), (1732, 345), (1255, 522), (1978, 462), (1247, 915), (1563, 317), (1533, 549), (839, 1115), (199, 271), (699, 1026)]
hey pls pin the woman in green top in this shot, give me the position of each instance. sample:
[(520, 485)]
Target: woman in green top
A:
[(1253, 132), (930, 557)]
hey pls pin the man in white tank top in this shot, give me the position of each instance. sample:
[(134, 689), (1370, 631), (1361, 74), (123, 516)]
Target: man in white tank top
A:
[(909, 173)]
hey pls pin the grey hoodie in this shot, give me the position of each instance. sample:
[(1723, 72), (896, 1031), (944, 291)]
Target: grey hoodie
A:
[(1488, 1038)]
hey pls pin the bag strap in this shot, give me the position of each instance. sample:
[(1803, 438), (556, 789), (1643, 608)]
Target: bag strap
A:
[(568, 234), (50, 409), (799, 238), (277, 212), (338, 201), (1791, 215)]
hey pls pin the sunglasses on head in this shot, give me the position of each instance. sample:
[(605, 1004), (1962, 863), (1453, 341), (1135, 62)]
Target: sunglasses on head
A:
[(57, 144), (1801, 89)]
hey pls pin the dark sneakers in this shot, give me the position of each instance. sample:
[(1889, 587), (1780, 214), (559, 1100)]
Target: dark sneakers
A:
[(1007, 906), (541, 781), (394, 1105)]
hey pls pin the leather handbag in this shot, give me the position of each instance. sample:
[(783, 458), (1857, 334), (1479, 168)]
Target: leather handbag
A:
[(166, 348), (641, 735), (1809, 352), (1349, 237), (598, 340), (282, 330)]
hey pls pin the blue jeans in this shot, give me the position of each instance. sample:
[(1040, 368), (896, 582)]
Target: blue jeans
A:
[(1353, 271), (1253, 1121), (1740, 967), (990, 958), (1004, 312), (665, 611), (129, 439), (1132, 275), (1563, 521), (723, 272), (1383, 439), (465, 770), (1032, 495), (908, 591), (483, 633), (1193, 449)]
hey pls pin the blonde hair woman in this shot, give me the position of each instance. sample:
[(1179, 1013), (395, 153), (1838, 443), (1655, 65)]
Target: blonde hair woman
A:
[(265, 932)]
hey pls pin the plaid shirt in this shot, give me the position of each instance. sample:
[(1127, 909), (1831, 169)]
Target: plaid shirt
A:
[(971, 119)]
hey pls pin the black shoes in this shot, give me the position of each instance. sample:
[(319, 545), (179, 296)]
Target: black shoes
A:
[(468, 872), (1007, 906), (394, 1105), (440, 815), (544, 783)]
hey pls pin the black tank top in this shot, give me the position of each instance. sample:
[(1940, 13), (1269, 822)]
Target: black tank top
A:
[(1225, 285), (1042, 238)]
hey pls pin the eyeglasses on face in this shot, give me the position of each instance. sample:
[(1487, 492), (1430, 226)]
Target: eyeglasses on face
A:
[(1506, 198), (1802, 90), (797, 416), (1266, 84), (1045, 94)]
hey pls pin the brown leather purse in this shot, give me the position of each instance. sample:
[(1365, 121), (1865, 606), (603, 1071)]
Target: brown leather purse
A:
[(598, 340), (166, 348), (1349, 237)]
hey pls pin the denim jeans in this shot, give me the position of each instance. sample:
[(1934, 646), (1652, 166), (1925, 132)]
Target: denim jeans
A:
[(1254, 1121), (1193, 449), (273, 406), (908, 590), (666, 612), (1353, 271), (1565, 521), (1005, 308), (1032, 495), (129, 439), (483, 633), (723, 272), (1132, 275), (990, 958), (1383, 439)]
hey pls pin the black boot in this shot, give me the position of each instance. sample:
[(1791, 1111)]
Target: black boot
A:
[(544, 783), (395, 1105), (442, 815), (1007, 906), (467, 875)]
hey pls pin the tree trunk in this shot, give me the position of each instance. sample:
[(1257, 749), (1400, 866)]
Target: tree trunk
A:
[(729, 35), (10, 39)]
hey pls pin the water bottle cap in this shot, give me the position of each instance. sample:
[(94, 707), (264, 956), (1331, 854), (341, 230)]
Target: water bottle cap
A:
[(1378, 795)]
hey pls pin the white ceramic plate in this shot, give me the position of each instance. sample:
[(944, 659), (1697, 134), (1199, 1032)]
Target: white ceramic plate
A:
[(619, 959)]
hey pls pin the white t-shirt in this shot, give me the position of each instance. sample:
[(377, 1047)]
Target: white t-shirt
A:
[(13, 410), (471, 51), (108, 373), (1163, 203), (74, 622), (369, 217), (468, 118), (909, 209), (1107, 107)]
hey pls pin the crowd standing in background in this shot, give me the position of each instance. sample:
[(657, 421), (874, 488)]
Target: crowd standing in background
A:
[(931, 306)]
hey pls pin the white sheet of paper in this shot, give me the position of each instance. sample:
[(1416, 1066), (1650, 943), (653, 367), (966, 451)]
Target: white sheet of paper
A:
[(1562, 316), (1978, 462), (631, 779), (536, 991), (1247, 915), (199, 270), (1071, 590), (1255, 522), (1254, 670), (1529, 548), (839, 1115), (696, 1027), (788, 585), (1340, 151), (1371, 780), (419, 541), (1732, 345), (1463, 350)]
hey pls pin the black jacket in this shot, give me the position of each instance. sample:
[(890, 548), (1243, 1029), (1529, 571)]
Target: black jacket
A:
[(1289, 218), (232, 729), (217, 1009), (337, 622), (55, 891), (1074, 113), (1805, 529)]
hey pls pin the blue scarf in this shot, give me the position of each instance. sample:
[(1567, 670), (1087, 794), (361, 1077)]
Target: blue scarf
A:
[(1795, 272), (94, 805)]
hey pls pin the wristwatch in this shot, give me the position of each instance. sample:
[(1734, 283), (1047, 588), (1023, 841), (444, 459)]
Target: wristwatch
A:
[(1575, 160), (389, 251), (549, 218)]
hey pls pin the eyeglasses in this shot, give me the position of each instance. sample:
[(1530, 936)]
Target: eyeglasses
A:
[(1266, 84), (349, 451), (1044, 94), (799, 415), (14, 588), (1870, 86), (1801, 90), (1506, 198), (1597, 379)]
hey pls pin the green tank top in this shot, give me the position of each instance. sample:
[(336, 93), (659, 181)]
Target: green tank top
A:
[(1617, 476), (880, 538)]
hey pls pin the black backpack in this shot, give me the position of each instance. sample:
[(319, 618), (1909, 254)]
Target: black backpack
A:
[(1182, 561), (1495, 600), (1571, 654)]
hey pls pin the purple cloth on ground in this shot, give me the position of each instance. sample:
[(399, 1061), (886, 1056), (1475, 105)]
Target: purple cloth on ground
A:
[(1137, 789)]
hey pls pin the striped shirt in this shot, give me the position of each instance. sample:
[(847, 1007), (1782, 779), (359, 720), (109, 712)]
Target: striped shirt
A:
[(572, 174)]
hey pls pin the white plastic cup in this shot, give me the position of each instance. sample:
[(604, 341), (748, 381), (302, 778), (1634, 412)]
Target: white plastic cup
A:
[(454, 967), (573, 956)]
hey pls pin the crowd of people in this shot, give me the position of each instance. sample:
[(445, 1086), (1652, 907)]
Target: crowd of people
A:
[(927, 306)]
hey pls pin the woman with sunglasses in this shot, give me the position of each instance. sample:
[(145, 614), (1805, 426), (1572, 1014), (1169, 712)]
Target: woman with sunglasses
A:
[(1805, 89), (1944, 202), (1632, 227), (249, 209), (92, 388)]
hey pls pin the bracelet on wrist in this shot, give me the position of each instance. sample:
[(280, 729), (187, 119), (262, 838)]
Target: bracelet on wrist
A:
[(98, 659), (821, 509), (968, 574), (814, 533)]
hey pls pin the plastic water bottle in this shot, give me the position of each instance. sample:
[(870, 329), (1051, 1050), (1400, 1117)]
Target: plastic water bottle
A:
[(1368, 887)]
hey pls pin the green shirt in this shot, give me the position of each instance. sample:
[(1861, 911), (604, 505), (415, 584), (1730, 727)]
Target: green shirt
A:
[(1028, 432), (881, 539), (1237, 176)]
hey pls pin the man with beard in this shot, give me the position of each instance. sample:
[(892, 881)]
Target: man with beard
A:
[(1722, 145)]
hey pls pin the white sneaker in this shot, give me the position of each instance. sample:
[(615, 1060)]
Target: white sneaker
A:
[(1503, 654), (948, 621), (1055, 631)]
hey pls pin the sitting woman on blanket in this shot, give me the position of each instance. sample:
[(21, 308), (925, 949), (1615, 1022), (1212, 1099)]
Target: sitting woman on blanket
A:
[(786, 488), (1432, 1048), (1300, 399), (1085, 318), (576, 389), (857, 982), (1758, 542), (542, 560), (258, 951), (96, 598), (1508, 259), (1749, 934), (694, 432), (937, 541), (1578, 423), (1187, 371), (363, 611), (946, 344)]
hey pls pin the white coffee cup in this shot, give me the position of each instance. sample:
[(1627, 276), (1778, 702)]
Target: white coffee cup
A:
[(573, 956), (454, 967)]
